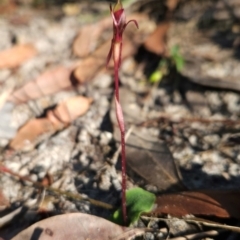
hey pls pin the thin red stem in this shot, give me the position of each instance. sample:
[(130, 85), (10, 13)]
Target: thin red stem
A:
[(124, 207), (117, 61)]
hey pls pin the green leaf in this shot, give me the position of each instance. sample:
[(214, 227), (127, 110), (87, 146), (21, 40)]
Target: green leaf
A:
[(156, 76), (179, 61), (177, 58), (174, 51), (138, 201)]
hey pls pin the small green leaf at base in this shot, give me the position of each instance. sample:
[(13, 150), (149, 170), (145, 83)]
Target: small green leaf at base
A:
[(156, 76), (138, 201)]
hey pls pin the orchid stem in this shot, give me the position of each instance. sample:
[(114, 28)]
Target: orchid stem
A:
[(119, 25)]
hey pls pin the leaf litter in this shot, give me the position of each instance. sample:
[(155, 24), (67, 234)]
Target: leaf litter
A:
[(87, 155)]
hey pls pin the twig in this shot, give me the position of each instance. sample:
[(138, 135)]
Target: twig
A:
[(8, 218), (213, 224), (57, 191), (189, 119), (200, 235), (116, 154)]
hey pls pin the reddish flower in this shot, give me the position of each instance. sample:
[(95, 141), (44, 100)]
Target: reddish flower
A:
[(119, 25)]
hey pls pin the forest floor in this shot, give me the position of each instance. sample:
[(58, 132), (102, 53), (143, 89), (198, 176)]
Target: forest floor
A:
[(51, 136)]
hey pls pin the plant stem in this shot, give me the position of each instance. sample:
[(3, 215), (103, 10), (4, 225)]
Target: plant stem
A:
[(120, 119)]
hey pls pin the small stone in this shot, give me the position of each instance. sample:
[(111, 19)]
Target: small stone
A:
[(102, 80), (105, 182), (34, 177), (232, 101), (84, 137), (234, 170), (212, 139), (117, 184), (14, 166), (193, 140), (149, 236), (161, 236), (105, 138), (214, 100), (197, 160), (84, 160)]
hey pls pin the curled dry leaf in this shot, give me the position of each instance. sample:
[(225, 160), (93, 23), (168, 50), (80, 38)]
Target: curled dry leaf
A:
[(77, 226), (49, 82), (55, 119), (222, 204), (15, 56)]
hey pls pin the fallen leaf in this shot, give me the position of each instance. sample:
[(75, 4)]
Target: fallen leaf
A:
[(89, 67), (72, 108), (49, 82), (156, 42), (152, 160), (17, 55), (7, 7), (211, 203), (77, 226), (172, 5), (146, 155), (55, 119), (88, 38), (71, 9)]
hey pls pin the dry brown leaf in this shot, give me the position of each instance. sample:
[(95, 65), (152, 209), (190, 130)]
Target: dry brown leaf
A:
[(49, 82), (89, 67), (55, 120), (146, 155), (172, 4), (7, 7), (151, 159), (76, 226), (88, 38), (15, 56), (156, 42), (72, 108), (222, 204), (28, 133)]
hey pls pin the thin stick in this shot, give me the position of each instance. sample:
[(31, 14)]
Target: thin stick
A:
[(57, 191), (211, 233), (117, 153), (188, 119)]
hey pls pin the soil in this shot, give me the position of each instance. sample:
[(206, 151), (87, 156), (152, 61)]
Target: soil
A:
[(194, 113)]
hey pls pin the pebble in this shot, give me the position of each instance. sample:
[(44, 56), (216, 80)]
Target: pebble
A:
[(232, 101), (105, 138), (212, 140), (102, 81), (84, 160)]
